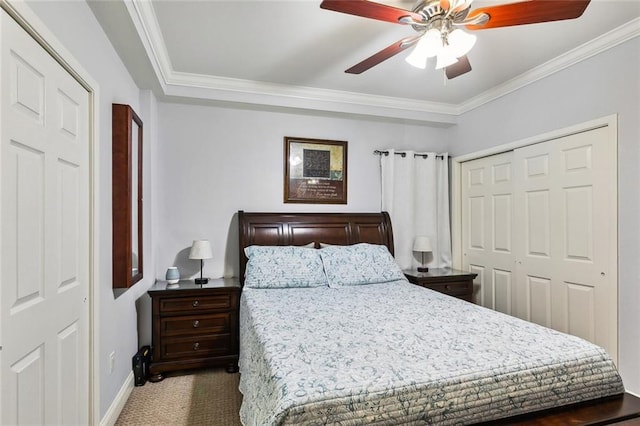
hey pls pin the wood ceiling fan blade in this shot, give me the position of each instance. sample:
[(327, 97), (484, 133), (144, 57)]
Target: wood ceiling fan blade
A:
[(370, 9), (461, 67), (383, 55), (528, 12)]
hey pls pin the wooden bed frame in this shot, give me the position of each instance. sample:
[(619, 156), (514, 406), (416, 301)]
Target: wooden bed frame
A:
[(280, 229), (297, 229)]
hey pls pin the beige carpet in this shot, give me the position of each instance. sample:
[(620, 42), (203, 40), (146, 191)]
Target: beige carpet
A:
[(204, 397)]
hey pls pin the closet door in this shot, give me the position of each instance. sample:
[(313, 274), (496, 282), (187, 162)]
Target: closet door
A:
[(487, 193), (539, 227), (44, 256), (565, 211)]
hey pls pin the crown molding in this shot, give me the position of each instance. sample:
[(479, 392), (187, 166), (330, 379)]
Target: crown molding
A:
[(146, 24), (215, 88), (585, 51), (284, 95)]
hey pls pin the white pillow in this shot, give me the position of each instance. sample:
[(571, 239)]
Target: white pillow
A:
[(359, 264), (283, 267)]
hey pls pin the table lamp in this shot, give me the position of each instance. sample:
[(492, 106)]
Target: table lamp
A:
[(201, 249), (422, 245)]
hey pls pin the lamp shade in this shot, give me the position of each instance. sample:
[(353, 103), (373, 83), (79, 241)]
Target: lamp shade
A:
[(445, 58), (422, 244), (461, 42), (427, 47), (201, 249)]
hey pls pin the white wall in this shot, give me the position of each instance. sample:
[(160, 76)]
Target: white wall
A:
[(75, 26), (215, 161), (608, 83)]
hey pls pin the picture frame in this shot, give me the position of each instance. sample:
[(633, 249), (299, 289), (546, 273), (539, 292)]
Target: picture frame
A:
[(315, 171)]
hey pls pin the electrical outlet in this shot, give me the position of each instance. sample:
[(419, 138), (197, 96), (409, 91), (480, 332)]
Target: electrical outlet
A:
[(112, 361)]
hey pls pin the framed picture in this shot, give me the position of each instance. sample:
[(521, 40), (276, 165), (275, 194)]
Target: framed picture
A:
[(315, 171)]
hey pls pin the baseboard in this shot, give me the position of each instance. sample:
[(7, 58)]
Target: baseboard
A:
[(117, 405)]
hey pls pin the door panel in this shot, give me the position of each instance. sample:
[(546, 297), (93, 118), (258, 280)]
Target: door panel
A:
[(26, 389), (44, 258), (581, 310), (538, 299), (502, 290)]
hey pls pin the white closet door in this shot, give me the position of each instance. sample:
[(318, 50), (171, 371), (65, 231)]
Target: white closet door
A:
[(539, 227), (565, 279), (44, 256), (487, 191)]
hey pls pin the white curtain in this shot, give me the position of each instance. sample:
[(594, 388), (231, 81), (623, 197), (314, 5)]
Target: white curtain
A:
[(415, 192)]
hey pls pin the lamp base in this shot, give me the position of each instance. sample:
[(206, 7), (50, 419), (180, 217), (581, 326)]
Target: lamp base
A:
[(423, 269), (202, 280)]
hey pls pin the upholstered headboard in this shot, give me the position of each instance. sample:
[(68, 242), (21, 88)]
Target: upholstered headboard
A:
[(282, 229)]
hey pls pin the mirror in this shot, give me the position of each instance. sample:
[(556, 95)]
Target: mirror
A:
[(127, 196)]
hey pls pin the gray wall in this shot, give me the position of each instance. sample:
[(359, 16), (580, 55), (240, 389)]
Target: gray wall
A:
[(215, 161)]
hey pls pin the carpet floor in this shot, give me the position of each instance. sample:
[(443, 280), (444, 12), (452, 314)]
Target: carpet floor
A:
[(205, 397)]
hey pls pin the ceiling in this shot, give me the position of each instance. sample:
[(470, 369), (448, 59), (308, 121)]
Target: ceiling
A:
[(293, 54)]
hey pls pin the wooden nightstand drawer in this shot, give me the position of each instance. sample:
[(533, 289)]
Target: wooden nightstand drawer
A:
[(196, 324), (195, 346), (452, 289), (197, 303), (448, 281)]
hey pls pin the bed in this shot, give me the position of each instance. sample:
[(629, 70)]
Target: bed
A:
[(384, 351)]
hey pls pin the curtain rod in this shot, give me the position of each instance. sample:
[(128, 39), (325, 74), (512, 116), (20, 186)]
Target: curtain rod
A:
[(404, 154)]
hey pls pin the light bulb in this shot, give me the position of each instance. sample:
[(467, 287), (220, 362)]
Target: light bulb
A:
[(460, 43), (417, 58), (445, 58), (428, 46), (432, 42)]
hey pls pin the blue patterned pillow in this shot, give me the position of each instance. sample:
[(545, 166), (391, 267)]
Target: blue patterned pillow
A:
[(283, 267), (359, 264)]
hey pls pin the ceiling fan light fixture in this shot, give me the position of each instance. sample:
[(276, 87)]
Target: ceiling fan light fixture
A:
[(432, 42), (417, 58), (429, 45), (460, 42), (445, 58)]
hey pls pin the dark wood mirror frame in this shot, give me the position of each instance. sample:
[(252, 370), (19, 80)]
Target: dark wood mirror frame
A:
[(127, 196)]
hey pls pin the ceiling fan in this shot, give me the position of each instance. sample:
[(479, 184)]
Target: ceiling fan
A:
[(439, 22)]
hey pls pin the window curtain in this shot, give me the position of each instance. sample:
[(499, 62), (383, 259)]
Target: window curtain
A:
[(415, 192)]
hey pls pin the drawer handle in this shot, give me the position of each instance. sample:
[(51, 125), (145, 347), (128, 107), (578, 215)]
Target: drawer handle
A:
[(196, 324), (196, 346), (195, 303)]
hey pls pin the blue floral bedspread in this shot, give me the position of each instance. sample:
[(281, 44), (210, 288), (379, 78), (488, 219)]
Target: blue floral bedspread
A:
[(396, 353)]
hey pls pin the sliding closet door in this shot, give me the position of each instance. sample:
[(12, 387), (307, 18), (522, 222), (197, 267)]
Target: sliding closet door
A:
[(487, 191), (539, 227), (563, 205)]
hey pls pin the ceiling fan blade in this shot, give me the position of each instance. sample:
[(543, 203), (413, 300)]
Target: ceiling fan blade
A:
[(461, 67), (383, 55), (371, 10), (528, 12)]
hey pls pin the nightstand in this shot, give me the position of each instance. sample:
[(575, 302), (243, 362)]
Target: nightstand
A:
[(194, 325), (444, 280)]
